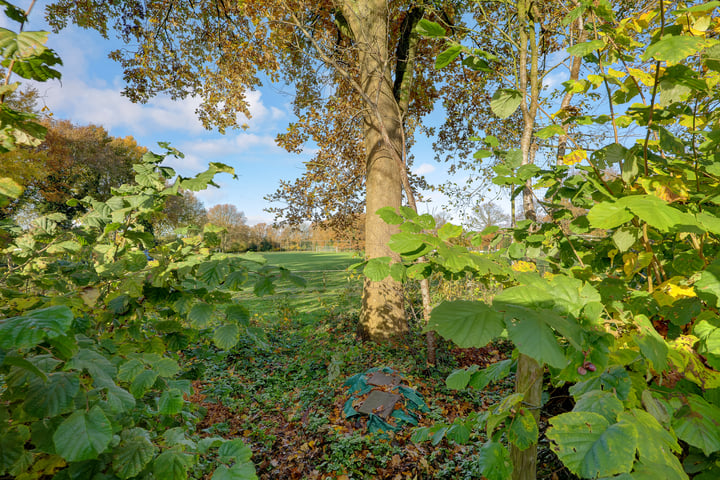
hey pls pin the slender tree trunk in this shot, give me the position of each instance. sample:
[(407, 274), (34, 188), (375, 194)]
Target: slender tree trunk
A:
[(528, 380), (383, 315), (567, 98), (529, 372)]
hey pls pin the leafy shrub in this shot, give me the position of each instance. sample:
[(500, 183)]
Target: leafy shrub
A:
[(93, 318)]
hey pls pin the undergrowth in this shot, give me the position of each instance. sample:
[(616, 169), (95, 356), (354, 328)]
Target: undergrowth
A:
[(285, 398)]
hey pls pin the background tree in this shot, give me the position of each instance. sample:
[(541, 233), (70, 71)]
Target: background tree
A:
[(235, 224), (72, 162), (183, 210), (359, 71), (488, 214)]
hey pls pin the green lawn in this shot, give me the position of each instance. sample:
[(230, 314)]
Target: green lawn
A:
[(329, 285)]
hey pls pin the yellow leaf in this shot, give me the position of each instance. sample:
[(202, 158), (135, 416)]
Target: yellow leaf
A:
[(629, 263), (614, 73), (676, 291), (576, 156), (669, 189), (645, 78), (522, 266), (90, 295), (683, 357), (644, 20)]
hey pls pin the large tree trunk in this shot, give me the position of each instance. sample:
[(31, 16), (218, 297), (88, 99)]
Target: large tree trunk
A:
[(383, 314)]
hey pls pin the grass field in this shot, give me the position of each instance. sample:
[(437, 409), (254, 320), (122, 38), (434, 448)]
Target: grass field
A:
[(329, 285)]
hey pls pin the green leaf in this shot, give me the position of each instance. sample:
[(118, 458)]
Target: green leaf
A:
[(176, 436), (657, 213), (480, 154), (33, 327), (625, 237), (534, 338), (426, 221), (238, 314), (603, 403), (165, 367), (517, 250), (37, 67), (133, 454), (458, 433), (245, 471), (172, 465), (205, 444), (459, 379), (377, 269), (582, 49), (264, 286), (505, 101), (492, 373), (448, 231), (213, 272), (130, 369), (23, 44), (52, 397), (615, 379), (12, 447), (589, 446), (447, 56), (200, 315), (608, 215), (426, 28), (550, 131), (467, 323), (119, 400), (523, 429), (83, 435), (142, 383), (651, 343), (390, 216), (699, 426), (406, 243), (494, 461), (226, 336), (673, 48), (708, 285), (656, 444), (95, 364), (234, 450), (171, 402)]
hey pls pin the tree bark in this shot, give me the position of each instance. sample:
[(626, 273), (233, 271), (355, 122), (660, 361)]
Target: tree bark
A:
[(528, 380), (383, 314), (529, 372), (567, 98)]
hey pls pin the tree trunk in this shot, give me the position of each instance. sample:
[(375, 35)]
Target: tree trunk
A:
[(528, 380), (529, 372), (383, 314)]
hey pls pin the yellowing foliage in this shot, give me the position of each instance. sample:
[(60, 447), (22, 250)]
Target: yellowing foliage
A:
[(576, 156), (523, 266)]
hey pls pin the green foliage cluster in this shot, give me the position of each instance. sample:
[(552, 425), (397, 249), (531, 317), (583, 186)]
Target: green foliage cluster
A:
[(93, 320), (617, 293), (26, 55)]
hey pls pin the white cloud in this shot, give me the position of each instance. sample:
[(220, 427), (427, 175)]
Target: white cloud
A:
[(230, 145), (105, 106), (424, 169)]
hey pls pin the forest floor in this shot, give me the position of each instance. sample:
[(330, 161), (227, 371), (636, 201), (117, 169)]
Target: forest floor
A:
[(284, 395)]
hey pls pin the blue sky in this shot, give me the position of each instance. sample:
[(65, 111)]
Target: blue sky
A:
[(89, 93)]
